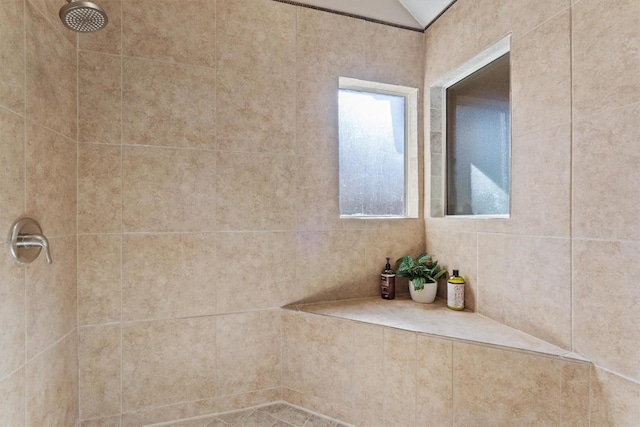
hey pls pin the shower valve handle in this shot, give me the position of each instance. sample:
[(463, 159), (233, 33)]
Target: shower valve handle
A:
[(26, 241), (35, 241)]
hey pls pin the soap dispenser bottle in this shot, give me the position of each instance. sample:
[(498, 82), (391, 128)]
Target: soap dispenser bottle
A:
[(388, 282), (455, 292)]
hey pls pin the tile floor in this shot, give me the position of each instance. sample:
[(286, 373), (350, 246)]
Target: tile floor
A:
[(276, 415)]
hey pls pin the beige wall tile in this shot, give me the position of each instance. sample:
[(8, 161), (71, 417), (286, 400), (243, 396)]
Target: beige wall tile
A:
[(12, 404), (606, 55), (451, 40), (606, 178), (511, 289), (169, 275), (248, 352), (255, 112), (457, 250), (605, 304), (614, 400), (99, 188), (575, 394), (12, 152), (49, 10), (99, 97), (317, 356), (334, 410), (52, 202), (107, 40), (168, 190), (387, 47), (434, 394), (268, 283), (329, 263), (99, 366), (317, 197), (170, 30), (12, 54), (52, 385), (255, 192), (246, 400), (256, 35), (540, 185), (499, 387), (102, 422), (497, 18), (329, 45), (541, 77), (168, 104), (317, 118), (368, 376), (12, 316), (51, 296), (167, 362), (400, 365), (169, 413), (99, 279), (51, 81)]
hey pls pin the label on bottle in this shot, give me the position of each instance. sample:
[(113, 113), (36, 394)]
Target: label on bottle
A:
[(388, 286), (455, 296)]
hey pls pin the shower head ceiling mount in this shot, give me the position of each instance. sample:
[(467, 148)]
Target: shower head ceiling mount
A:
[(83, 16)]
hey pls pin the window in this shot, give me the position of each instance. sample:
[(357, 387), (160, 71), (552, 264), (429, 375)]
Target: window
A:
[(473, 139), (377, 149)]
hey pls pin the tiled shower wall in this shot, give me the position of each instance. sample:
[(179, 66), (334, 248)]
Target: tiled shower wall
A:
[(38, 147), (207, 196), (565, 266)]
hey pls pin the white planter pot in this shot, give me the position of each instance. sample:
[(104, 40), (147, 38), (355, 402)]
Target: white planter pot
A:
[(426, 294)]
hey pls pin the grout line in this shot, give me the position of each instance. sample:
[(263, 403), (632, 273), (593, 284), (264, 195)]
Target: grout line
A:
[(79, 382), (25, 390), (571, 169), (453, 389), (589, 404), (121, 54)]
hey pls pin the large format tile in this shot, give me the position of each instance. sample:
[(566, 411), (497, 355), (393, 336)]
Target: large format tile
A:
[(168, 190), (614, 399), (541, 77), (255, 192), (99, 365), (257, 35), (605, 55), (99, 279), (51, 296), (317, 119), (12, 316), (255, 112), (168, 104), (51, 70), (512, 291), (167, 362), (107, 40), (606, 177), (52, 384), (99, 97), (605, 304), (368, 377), (267, 284), (12, 404), (248, 352), (52, 202), (12, 54), (99, 188), (12, 153), (501, 387), (317, 199), (434, 372), (400, 380), (170, 30), (168, 275)]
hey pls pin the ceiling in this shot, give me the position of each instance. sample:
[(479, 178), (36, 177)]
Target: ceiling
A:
[(407, 13)]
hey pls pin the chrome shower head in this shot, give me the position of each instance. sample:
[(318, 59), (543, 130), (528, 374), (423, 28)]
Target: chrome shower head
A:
[(83, 16)]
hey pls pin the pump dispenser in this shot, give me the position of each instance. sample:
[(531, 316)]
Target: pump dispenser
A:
[(388, 282)]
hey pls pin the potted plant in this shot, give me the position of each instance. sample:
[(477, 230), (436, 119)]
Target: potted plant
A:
[(423, 274)]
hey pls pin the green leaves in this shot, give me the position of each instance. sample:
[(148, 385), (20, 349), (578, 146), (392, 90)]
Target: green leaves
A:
[(421, 270)]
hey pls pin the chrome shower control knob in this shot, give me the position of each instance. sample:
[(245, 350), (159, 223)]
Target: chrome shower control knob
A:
[(26, 241)]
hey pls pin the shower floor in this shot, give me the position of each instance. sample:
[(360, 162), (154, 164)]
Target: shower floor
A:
[(275, 415)]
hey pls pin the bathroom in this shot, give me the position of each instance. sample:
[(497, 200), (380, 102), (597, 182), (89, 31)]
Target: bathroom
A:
[(182, 163)]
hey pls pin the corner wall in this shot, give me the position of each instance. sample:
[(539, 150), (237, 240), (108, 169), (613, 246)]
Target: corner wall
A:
[(207, 196), (565, 266), (38, 147)]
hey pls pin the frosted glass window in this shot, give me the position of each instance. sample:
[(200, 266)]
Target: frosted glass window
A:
[(372, 141), (478, 142)]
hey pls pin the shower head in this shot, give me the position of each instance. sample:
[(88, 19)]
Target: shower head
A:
[(83, 16)]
